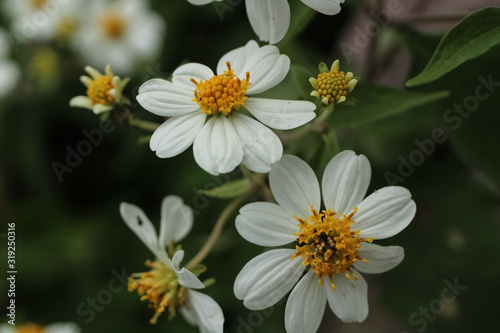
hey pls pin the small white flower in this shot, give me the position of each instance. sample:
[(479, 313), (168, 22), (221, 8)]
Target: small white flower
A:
[(34, 328), (104, 91), (167, 286), (327, 250), (123, 33), (223, 137), (270, 19), (9, 70)]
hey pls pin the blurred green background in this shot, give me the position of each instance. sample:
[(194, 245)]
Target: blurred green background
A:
[(70, 238)]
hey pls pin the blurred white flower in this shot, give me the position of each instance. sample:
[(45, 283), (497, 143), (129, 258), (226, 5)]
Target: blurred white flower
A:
[(166, 286), (124, 33), (228, 138), (270, 19), (104, 91), (327, 250), (34, 328), (9, 70), (202, 2)]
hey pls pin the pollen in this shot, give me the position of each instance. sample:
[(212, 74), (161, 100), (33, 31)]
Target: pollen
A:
[(98, 90), (113, 24), (160, 286), (222, 93), (332, 86), (327, 244), (38, 3), (30, 328)]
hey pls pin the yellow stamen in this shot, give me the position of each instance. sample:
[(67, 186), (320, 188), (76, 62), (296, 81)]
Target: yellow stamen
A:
[(331, 86), (30, 328), (98, 90), (327, 244), (113, 24), (222, 93), (38, 3), (160, 286)]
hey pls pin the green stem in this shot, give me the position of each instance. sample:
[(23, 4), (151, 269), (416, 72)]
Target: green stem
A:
[(219, 225), (143, 124)]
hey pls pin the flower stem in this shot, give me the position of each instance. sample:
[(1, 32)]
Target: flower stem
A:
[(219, 225), (143, 124)]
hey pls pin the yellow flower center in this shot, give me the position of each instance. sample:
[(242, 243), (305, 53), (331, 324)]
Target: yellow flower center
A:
[(98, 90), (332, 85), (30, 328), (160, 286), (38, 3), (66, 27), (222, 93), (114, 24), (327, 244)]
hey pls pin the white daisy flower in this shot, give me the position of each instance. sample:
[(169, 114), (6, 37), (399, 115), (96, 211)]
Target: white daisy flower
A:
[(9, 70), (332, 245), (270, 19), (223, 136), (34, 328), (104, 91), (167, 286), (124, 33)]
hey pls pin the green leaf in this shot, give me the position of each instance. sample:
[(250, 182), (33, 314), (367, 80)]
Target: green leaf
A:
[(470, 38), (377, 102), (331, 143), (229, 190), (300, 16), (300, 77)]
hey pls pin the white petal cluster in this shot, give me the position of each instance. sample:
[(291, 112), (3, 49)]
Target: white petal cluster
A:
[(52, 328), (221, 143), (270, 276), (176, 222)]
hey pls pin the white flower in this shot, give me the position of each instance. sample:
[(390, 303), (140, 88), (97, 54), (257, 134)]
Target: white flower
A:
[(9, 70), (270, 19), (224, 137), (122, 33), (327, 250), (202, 2), (104, 91), (167, 286), (34, 328)]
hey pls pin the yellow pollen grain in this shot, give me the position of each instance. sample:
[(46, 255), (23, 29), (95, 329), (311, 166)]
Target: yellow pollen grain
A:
[(332, 85), (222, 93), (113, 24), (327, 244), (159, 286), (38, 3), (98, 90), (30, 328)]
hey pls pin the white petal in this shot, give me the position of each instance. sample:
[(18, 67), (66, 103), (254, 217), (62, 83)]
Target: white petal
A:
[(266, 67), (266, 224), (384, 213), (270, 19), (237, 58), (100, 108), (81, 102), (186, 278), (203, 311), (345, 181), (267, 278), (139, 223), (305, 306), (164, 98), (176, 134), (295, 186), (380, 258), (182, 76), (281, 114), (61, 328), (261, 147), (327, 7), (218, 148), (200, 2), (349, 300), (176, 220)]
